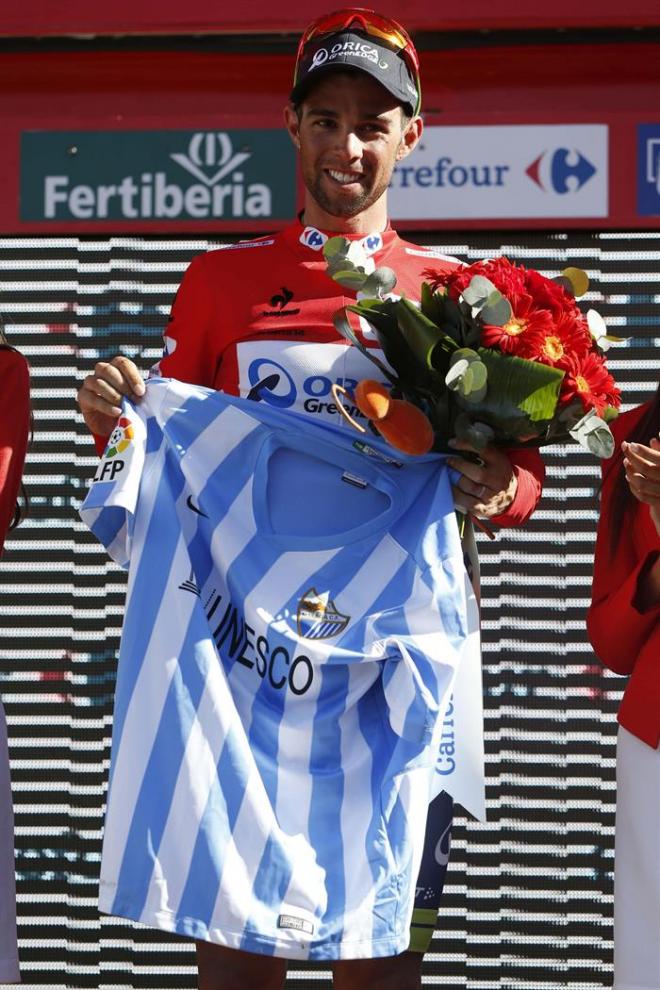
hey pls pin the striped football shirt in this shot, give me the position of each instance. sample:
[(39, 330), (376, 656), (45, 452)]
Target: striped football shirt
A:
[(297, 608)]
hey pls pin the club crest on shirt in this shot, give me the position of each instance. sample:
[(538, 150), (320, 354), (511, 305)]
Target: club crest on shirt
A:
[(318, 617)]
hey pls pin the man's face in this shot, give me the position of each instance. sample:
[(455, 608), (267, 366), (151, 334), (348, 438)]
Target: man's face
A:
[(350, 133)]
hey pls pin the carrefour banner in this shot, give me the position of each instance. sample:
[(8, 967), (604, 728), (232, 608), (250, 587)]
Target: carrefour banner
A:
[(521, 171), (157, 175)]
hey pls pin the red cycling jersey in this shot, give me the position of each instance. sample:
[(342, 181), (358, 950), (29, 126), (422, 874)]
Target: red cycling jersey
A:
[(255, 319)]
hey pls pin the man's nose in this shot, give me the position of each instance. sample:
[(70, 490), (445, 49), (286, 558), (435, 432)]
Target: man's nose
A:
[(349, 144)]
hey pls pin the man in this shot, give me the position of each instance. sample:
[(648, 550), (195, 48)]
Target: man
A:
[(255, 319)]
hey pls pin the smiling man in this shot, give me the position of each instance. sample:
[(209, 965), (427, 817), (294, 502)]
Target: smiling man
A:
[(255, 319)]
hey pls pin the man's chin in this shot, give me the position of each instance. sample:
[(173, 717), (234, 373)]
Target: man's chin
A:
[(344, 207)]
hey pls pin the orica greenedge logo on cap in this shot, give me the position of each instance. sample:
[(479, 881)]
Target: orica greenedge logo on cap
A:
[(156, 175)]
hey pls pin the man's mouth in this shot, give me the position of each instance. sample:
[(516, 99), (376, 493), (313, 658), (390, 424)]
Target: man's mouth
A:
[(344, 178)]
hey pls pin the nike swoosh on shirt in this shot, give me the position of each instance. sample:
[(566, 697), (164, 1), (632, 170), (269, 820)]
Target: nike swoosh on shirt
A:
[(191, 505)]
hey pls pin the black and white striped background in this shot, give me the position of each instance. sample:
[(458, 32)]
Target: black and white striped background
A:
[(529, 897)]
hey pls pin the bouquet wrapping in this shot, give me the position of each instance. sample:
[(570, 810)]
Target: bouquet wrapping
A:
[(495, 353)]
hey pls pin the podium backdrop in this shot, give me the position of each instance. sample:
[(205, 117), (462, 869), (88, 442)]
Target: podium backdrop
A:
[(528, 902)]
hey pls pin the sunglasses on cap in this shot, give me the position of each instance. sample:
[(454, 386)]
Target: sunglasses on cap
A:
[(385, 29)]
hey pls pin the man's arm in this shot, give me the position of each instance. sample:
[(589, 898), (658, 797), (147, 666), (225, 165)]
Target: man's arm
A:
[(186, 357)]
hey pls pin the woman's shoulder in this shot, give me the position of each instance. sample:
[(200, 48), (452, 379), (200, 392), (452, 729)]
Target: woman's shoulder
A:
[(13, 363), (626, 422)]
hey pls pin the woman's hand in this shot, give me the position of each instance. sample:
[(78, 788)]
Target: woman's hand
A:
[(485, 488), (642, 467)]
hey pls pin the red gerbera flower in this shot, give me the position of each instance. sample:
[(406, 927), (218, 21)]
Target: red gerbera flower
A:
[(525, 319), (588, 380), (508, 278), (550, 295), (566, 338)]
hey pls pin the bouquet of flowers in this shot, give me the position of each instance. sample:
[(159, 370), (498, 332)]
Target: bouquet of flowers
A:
[(494, 354)]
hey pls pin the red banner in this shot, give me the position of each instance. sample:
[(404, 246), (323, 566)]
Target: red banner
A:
[(170, 17), (518, 136)]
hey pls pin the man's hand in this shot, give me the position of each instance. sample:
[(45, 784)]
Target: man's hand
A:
[(642, 467), (101, 393), (487, 488)]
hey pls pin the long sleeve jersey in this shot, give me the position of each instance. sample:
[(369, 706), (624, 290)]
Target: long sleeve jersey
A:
[(254, 319)]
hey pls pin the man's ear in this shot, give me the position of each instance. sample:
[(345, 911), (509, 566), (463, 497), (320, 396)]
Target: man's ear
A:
[(292, 124), (410, 137)]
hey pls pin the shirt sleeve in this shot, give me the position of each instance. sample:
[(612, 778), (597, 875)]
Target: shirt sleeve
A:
[(14, 432), (529, 470), (110, 505), (190, 352)]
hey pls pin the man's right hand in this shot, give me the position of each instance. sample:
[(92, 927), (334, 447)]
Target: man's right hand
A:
[(101, 393)]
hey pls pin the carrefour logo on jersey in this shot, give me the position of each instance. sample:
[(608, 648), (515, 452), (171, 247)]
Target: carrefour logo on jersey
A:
[(513, 171), (156, 175)]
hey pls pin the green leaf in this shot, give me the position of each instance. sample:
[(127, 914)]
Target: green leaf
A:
[(520, 400), (381, 316), (532, 387), (421, 334), (497, 310), (341, 322)]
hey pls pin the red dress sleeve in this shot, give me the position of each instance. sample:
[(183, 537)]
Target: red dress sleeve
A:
[(14, 431), (617, 629)]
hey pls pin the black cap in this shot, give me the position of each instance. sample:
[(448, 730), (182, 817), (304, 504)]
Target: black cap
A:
[(351, 50)]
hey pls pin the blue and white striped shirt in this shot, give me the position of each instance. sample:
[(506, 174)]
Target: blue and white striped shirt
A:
[(296, 612)]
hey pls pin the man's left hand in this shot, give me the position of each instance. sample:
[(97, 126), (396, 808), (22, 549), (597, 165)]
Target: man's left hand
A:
[(486, 488)]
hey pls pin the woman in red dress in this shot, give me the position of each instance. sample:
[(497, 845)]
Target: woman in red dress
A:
[(624, 628), (14, 432)]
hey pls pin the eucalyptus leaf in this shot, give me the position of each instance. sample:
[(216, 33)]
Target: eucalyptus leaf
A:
[(380, 282), (354, 279), (497, 310), (479, 289), (593, 433), (456, 374), (335, 246), (465, 354)]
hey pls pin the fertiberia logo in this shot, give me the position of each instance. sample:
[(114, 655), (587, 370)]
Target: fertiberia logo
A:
[(156, 175)]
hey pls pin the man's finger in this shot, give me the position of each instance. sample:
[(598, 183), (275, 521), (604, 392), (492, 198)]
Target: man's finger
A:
[(130, 373)]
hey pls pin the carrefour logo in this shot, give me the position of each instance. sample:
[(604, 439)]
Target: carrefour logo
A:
[(156, 175), (562, 171), (491, 171)]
